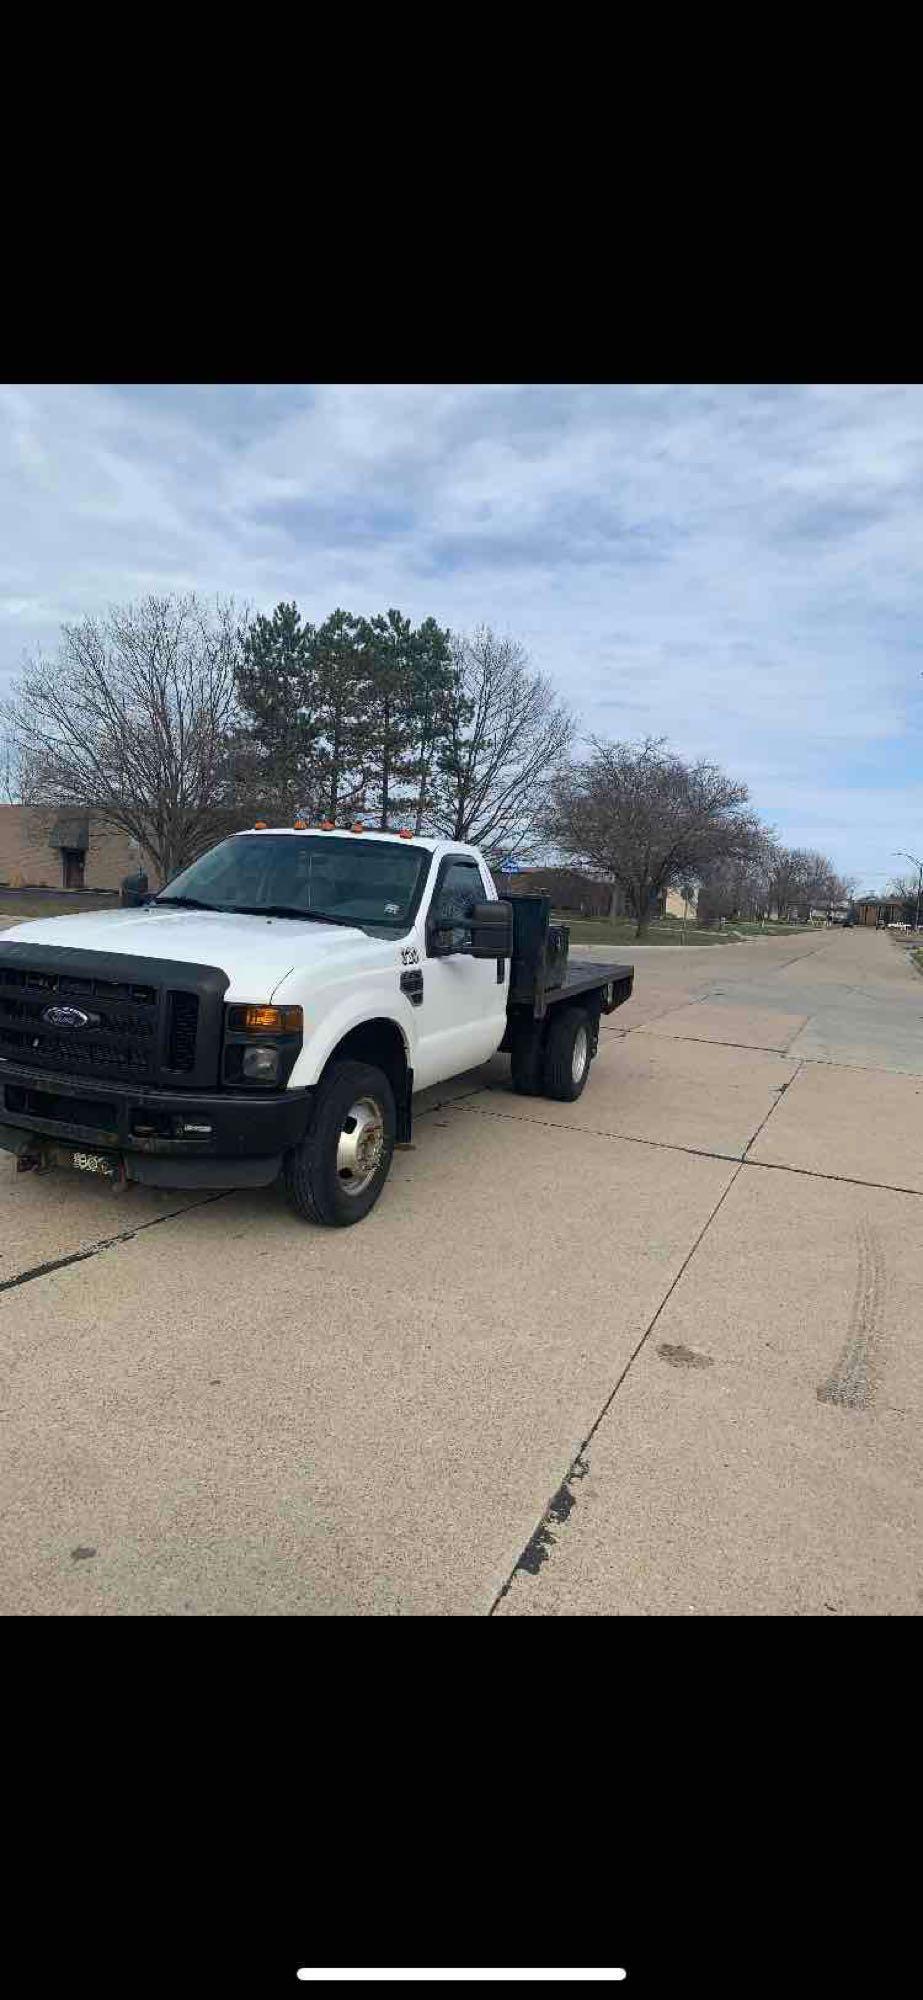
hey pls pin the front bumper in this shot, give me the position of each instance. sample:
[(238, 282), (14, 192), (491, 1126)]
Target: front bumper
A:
[(142, 1131)]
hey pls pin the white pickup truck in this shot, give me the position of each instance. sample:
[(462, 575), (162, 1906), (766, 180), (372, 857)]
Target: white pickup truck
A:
[(275, 1008)]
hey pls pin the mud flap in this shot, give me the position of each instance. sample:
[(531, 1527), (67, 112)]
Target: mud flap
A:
[(404, 1109)]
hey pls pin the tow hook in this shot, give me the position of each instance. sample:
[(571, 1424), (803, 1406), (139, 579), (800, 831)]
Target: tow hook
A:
[(28, 1163)]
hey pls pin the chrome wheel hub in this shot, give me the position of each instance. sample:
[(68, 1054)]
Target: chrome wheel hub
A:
[(360, 1146), (581, 1054)]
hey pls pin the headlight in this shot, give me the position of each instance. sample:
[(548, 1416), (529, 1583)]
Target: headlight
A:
[(261, 1065), (261, 1045)]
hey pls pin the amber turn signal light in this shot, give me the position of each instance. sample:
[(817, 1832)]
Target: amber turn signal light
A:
[(267, 1020)]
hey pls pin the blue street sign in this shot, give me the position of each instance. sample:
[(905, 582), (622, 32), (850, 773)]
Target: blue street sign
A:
[(509, 866)]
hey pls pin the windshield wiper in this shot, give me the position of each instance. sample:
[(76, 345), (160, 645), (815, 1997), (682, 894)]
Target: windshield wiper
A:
[(287, 910), (187, 903)]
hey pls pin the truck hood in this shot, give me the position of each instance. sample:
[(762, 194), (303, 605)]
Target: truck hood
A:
[(255, 952)]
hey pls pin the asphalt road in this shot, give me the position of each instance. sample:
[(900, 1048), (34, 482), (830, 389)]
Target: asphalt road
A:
[(654, 1352)]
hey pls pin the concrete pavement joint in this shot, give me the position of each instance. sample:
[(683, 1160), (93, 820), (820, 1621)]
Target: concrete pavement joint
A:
[(712, 1042), (106, 1243), (88, 1250), (697, 1152), (591, 1132), (562, 1502), (814, 1174), (773, 1107)]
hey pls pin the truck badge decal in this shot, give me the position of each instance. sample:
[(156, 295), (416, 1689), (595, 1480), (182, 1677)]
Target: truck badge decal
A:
[(409, 955), (69, 1017)]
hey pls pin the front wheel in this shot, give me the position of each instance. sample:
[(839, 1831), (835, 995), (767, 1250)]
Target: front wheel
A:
[(336, 1174), (568, 1054)]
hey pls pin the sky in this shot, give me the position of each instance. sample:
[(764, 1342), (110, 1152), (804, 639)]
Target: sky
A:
[(735, 568)]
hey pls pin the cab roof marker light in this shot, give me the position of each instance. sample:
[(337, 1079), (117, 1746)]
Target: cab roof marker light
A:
[(259, 825), (405, 833), (299, 825), (326, 826)]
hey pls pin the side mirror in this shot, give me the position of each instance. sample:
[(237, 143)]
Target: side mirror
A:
[(134, 891), (491, 930), (489, 927)]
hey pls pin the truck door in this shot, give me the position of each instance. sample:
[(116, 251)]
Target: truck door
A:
[(463, 1013)]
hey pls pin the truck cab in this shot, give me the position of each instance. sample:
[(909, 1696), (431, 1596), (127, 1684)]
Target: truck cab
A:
[(273, 1010)]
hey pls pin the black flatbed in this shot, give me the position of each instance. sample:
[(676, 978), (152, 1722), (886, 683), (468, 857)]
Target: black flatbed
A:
[(590, 973), (589, 977)]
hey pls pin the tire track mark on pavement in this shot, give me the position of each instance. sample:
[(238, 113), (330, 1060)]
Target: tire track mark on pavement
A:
[(563, 1501), (851, 1382)]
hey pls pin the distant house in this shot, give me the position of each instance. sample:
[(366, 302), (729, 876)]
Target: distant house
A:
[(878, 910), (51, 847)]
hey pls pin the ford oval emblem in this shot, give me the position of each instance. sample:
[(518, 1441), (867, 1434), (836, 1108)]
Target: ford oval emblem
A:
[(67, 1017)]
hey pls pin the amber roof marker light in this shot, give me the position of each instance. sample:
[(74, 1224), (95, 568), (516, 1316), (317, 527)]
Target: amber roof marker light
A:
[(405, 833)]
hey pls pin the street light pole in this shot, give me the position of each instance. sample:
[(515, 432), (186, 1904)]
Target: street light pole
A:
[(902, 851)]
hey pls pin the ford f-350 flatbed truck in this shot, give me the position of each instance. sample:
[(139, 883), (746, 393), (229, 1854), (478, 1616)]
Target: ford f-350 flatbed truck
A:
[(274, 1010)]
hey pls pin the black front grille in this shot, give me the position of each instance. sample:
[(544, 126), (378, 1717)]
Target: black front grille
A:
[(184, 1022), (112, 1032), (136, 1021)]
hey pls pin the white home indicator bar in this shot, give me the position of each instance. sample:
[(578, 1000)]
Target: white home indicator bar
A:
[(461, 1972)]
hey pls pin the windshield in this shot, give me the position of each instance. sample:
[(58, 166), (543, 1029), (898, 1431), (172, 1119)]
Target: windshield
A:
[(371, 883)]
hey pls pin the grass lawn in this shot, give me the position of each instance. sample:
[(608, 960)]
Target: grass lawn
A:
[(746, 929), (621, 930), (18, 905), (668, 931)]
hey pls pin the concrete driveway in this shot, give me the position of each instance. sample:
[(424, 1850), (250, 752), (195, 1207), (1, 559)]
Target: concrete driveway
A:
[(657, 1351)]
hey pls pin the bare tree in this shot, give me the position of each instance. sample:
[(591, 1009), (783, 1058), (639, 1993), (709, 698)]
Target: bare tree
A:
[(908, 889), (648, 820), (506, 735), (802, 880), (737, 886), (9, 774), (132, 719)]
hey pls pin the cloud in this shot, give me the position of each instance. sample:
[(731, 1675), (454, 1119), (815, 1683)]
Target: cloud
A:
[(735, 568)]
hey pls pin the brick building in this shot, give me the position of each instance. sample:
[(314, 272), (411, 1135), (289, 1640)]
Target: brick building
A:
[(571, 892), (58, 847), (879, 910)]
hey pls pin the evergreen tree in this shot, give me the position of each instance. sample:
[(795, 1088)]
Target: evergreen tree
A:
[(341, 665), (391, 659), (430, 690), (277, 691)]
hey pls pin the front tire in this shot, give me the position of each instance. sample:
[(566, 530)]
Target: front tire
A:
[(568, 1054), (336, 1174)]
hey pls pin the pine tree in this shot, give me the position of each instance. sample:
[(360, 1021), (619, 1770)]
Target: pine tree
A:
[(278, 695), (431, 682), (391, 663), (341, 663)]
